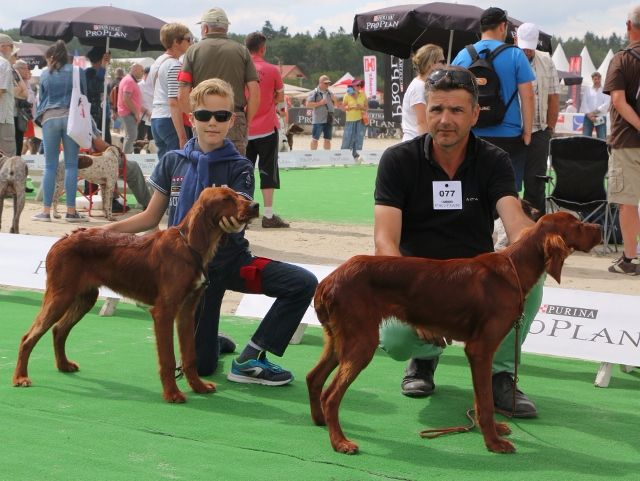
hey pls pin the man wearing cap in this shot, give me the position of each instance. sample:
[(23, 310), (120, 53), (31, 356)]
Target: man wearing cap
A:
[(595, 105), (321, 101), (546, 87), (516, 82), (569, 107), (217, 56), (7, 100)]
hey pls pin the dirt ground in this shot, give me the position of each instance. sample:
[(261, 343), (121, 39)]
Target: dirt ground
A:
[(331, 244)]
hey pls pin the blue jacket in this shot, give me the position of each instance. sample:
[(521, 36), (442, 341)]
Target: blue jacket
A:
[(55, 88)]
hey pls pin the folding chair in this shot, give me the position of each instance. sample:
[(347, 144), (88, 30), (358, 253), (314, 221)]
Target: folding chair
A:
[(580, 165)]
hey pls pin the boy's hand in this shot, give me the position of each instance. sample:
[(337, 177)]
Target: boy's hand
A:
[(231, 225)]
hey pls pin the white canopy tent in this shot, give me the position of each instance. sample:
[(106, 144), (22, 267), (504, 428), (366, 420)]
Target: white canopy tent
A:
[(339, 87), (560, 59), (295, 92), (604, 66), (587, 67)]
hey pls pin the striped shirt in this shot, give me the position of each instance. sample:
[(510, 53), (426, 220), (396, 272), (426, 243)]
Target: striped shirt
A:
[(166, 86)]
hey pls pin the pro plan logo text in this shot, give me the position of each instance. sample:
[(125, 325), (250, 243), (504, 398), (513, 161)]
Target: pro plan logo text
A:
[(382, 22), (114, 31), (575, 324)]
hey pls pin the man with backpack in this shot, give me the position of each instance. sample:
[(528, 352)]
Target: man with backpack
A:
[(623, 85), (505, 80), (320, 100)]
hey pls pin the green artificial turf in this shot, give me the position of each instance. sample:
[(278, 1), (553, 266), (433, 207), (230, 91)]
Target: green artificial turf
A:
[(108, 421)]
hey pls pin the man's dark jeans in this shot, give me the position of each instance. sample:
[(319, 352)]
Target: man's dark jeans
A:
[(535, 167)]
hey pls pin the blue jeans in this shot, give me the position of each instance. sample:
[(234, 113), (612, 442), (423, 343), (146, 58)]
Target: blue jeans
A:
[(587, 128), (53, 132), (353, 136), (292, 286), (164, 135)]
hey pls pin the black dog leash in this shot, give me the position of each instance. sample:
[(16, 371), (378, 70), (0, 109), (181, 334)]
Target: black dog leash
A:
[(434, 433)]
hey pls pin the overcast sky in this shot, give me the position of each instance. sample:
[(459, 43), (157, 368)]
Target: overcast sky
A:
[(564, 18)]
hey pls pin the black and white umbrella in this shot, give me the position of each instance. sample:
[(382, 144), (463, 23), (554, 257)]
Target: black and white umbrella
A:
[(97, 26), (402, 29)]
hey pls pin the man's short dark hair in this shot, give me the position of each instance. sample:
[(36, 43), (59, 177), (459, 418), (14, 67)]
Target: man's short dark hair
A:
[(452, 78), (491, 18), (255, 41), (95, 54)]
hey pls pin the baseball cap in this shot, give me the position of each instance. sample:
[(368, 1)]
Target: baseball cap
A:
[(527, 34), (324, 79), (570, 101), (357, 82), (493, 16), (215, 15)]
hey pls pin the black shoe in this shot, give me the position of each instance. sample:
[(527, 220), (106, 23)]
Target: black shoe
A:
[(503, 398), (226, 344), (418, 378), (118, 208)]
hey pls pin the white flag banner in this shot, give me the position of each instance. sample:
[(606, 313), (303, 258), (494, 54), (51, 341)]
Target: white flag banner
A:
[(370, 75)]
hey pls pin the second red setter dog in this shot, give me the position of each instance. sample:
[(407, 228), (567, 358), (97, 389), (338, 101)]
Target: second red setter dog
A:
[(475, 300), (165, 269)]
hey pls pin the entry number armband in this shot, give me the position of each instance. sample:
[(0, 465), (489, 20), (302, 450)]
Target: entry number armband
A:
[(447, 195)]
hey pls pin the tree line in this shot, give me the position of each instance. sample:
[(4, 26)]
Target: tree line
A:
[(334, 53)]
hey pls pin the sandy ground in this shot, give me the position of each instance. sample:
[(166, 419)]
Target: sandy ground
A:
[(319, 243)]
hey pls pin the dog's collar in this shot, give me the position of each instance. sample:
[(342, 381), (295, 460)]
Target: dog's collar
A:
[(196, 257)]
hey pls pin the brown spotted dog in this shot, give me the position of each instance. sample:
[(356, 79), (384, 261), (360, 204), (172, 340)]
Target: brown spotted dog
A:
[(101, 169), (13, 176)]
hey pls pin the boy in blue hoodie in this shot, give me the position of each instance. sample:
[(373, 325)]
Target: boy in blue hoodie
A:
[(210, 159)]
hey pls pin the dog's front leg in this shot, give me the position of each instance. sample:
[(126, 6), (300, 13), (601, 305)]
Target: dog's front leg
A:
[(186, 338), (480, 357), (18, 206), (163, 316)]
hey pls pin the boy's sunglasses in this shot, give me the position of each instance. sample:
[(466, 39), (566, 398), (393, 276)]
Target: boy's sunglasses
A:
[(203, 115)]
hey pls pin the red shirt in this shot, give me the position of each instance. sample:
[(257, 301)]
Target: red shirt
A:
[(266, 119)]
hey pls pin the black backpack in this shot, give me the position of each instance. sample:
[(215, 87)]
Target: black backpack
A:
[(635, 103), (492, 106)]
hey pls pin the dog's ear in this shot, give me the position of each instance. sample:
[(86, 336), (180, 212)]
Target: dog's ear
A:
[(555, 252), (84, 161)]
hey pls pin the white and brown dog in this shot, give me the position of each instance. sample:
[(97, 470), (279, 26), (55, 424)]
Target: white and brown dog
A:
[(101, 169), (13, 176)]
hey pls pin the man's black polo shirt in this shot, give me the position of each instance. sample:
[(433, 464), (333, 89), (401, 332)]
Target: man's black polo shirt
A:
[(405, 180)]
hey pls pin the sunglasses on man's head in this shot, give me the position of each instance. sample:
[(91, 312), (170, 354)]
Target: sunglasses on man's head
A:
[(462, 79), (203, 115)]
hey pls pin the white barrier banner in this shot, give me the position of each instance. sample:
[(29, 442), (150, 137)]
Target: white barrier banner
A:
[(586, 325), (22, 263)]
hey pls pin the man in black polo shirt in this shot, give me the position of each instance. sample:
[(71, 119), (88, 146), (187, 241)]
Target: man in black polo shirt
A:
[(435, 197)]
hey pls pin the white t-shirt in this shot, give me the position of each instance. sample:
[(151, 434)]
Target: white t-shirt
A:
[(166, 86), (413, 96)]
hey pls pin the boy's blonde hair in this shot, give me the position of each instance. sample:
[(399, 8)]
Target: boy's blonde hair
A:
[(213, 86)]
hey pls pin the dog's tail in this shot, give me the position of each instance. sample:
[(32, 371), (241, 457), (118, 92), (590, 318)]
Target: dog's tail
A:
[(320, 303)]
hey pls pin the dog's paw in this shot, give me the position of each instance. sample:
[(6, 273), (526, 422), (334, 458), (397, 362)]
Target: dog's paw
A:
[(501, 446), (68, 366), (503, 429), (176, 397), (21, 381), (347, 447), (203, 387)]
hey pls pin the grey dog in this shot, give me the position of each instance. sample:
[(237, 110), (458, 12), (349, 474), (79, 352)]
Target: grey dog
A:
[(13, 175)]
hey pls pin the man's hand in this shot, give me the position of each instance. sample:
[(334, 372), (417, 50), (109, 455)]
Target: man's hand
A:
[(231, 225)]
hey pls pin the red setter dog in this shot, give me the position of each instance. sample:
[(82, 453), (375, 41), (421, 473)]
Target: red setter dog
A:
[(475, 300), (165, 269)]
